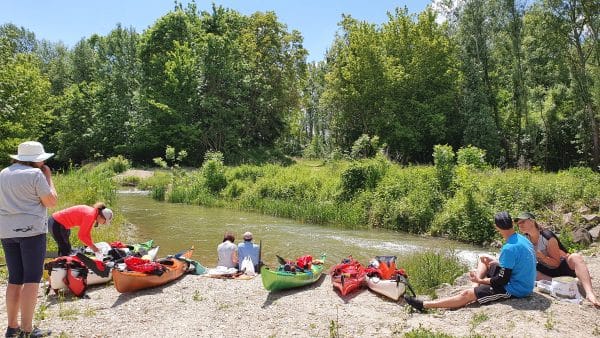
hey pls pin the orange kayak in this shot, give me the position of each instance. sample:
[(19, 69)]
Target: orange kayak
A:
[(129, 281)]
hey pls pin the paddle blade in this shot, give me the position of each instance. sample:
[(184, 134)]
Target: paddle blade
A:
[(281, 260)]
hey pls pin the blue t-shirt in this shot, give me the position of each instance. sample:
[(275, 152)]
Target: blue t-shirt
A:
[(518, 255), (248, 249)]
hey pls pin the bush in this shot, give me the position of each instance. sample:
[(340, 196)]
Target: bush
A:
[(428, 270), (118, 164), (471, 156), (361, 176), (213, 172), (443, 160)]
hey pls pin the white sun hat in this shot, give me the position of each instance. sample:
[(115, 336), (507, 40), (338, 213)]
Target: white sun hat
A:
[(107, 214), (31, 151)]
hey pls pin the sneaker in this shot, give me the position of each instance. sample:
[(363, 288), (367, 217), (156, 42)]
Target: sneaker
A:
[(414, 302), (36, 333), (12, 332)]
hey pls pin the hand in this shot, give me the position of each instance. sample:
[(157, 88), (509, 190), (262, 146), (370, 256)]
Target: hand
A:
[(473, 277), (46, 170), (99, 255)]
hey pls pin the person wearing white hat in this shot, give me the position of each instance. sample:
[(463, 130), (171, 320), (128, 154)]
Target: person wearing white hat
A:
[(82, 216), (26, 191)]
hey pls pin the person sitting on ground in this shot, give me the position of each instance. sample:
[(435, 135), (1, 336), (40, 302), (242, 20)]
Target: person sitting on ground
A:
[(82, 216), (553, 260), (249, 249), (227, 252), (513, 275)]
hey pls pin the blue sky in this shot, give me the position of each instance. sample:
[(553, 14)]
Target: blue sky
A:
[(70, 20)]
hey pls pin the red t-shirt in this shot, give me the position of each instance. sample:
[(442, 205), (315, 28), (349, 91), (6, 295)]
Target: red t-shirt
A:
[(82, 216)]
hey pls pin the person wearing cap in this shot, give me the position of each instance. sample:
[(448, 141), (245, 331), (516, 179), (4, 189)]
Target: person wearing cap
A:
[(82, 216), (227, 252), (553, 259), (26, 193), (512, 275), (249, 249)]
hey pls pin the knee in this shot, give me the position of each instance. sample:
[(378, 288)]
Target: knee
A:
[(575, 260)]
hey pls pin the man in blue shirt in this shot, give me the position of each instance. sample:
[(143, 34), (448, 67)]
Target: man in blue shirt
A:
[(249, 249), (513, 275)]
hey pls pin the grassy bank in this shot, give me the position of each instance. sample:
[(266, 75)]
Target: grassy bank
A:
[(375, 193)]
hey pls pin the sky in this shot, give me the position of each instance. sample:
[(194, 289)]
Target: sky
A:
[(71, 20)]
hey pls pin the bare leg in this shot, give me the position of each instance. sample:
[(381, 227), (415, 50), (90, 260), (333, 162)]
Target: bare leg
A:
[(460, 300), (482, 270), (28, 302), (13, 300), (576, 263)]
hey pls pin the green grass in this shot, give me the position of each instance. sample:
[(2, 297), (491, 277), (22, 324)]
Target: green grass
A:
[(428, 270)]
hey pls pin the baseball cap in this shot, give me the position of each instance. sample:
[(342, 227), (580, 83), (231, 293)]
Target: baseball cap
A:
[(525, 215), (247, 235), (107, 214)]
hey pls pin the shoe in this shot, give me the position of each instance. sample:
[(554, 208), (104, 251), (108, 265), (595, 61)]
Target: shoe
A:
[(12, 332), (414, 302), (36, 333)]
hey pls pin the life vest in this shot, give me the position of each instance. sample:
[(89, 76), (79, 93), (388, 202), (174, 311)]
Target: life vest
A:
[(143, 265), (387, 266), (304, 262), (76, 273)]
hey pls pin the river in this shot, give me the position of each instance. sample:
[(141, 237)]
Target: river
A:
[(175, 227)]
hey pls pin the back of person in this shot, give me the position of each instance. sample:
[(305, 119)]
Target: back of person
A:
[(518, 255), (225, 252), (21, 213), (248, 249)]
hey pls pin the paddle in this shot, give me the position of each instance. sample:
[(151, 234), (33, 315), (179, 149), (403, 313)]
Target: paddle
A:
[(281, 260), (259, 264)]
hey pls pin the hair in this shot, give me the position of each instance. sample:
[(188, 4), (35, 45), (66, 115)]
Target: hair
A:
[(229, 237), (27, 163), (100, 206), (503, 220)]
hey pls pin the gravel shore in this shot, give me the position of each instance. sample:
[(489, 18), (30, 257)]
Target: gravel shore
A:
[(196, 306)]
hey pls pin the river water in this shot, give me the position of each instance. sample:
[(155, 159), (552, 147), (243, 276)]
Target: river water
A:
[(175, 227)]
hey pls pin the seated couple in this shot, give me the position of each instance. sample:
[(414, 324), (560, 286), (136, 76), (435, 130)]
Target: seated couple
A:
[(513, 274)]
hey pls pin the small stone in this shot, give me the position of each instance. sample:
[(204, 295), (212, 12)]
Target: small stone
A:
[(591, 217), (584, 210), (595, 232), (582, 236), (567, 218)]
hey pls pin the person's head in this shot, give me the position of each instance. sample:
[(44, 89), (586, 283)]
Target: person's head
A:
[(31, 153), (503, 221), (105, 215), (247, 236), (229, 237), (526, 222)]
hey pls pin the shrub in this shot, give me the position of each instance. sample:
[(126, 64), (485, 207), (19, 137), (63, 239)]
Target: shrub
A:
[(443, 160), (365, 147), (213, 171), (361, 176), (471, 156), (118, 164), (428, 270)]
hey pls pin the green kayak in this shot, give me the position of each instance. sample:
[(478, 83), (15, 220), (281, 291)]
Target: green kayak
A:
[(280, 279)]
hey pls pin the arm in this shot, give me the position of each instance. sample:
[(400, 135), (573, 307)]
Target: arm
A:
[(49, 200), (234, 256), (554, 254)]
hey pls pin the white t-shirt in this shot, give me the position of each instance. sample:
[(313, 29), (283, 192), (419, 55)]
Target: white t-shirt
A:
[(22, 213), (225, 252)]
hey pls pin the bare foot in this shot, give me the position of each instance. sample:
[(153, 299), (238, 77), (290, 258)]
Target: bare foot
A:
[(594, 301)]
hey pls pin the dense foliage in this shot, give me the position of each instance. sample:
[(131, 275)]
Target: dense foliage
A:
[(517, 79)]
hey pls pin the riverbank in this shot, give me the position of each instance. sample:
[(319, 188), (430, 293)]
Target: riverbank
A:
[(197, 306)]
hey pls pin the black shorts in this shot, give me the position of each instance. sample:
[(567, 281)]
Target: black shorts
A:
[(486, 293), (25, 258), (563, 269)]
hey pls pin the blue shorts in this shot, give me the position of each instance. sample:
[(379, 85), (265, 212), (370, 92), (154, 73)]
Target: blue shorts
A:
[(25, 258)]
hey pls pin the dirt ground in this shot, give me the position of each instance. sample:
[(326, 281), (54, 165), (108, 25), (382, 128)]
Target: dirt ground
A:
[(197, 306)]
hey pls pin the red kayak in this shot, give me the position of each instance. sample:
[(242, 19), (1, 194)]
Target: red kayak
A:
[(348, 276)]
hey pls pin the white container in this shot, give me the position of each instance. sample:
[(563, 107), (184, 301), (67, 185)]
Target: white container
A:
[(565, 287)]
